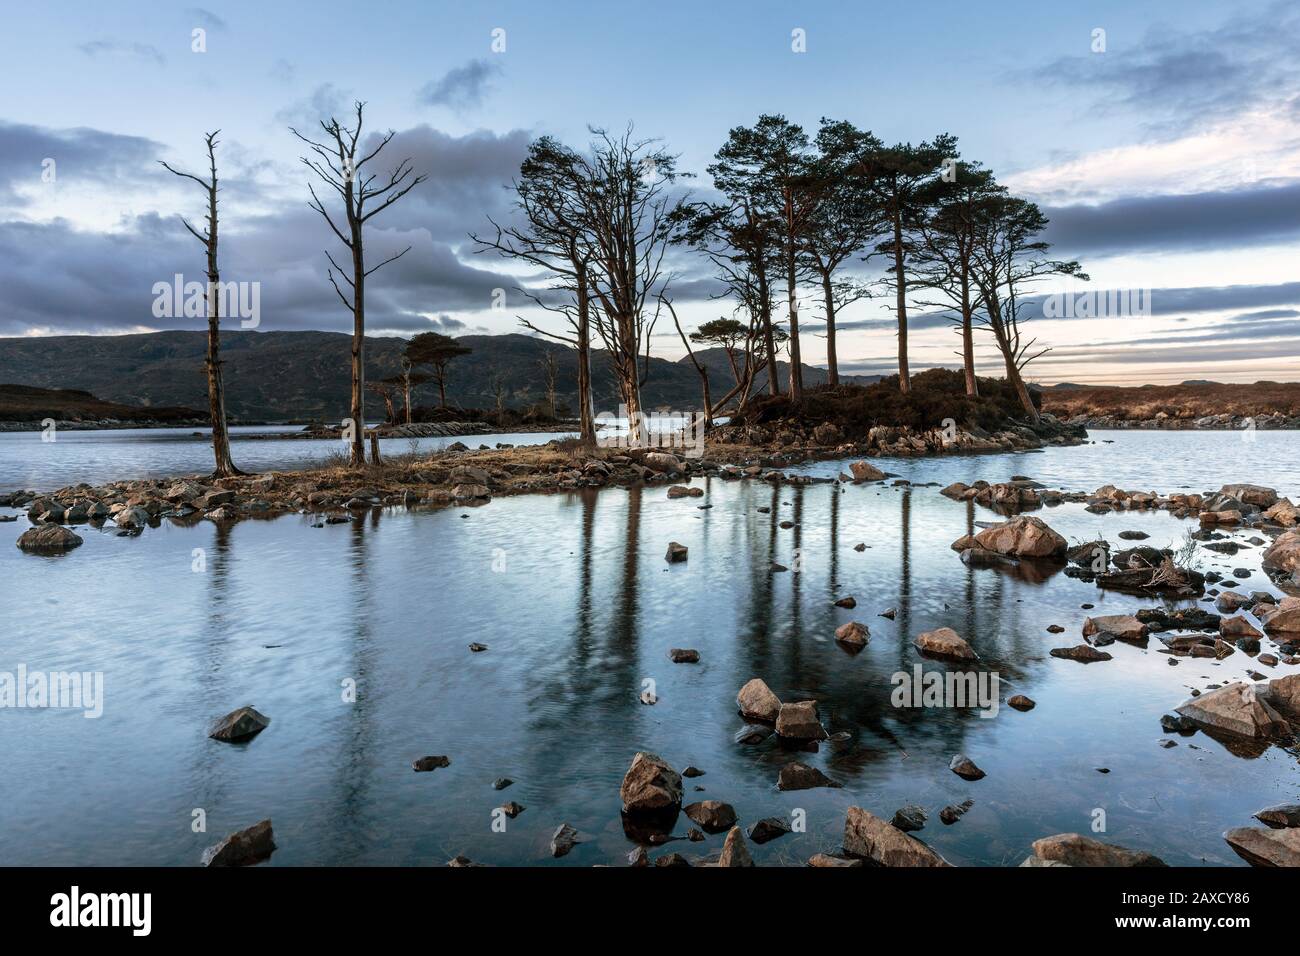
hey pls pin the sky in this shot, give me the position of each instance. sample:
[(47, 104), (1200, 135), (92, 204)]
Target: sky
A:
[(1161, 139)]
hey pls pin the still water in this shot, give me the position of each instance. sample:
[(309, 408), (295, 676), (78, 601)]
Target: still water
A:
[(578, 608)]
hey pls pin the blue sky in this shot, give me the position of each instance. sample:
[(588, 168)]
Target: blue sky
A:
[(1167, 162)]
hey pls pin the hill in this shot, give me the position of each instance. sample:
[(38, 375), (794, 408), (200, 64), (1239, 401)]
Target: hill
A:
[(23, 403), (287, 376), (1186, 402)]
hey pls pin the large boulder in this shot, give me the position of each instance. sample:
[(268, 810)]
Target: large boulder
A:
[(865, 471), (242, 724), (243, 848), (1236, 709), (946, 643), (1073, 849), (734, 850), (757, 702), (871, 838), (1260, 847), (1023, 537), (1282, 619), (650, 785), (1284, 555), (1284, 695), (1119, 627), (1256, 495), (1284, 513), (798, 721), (48, 539)]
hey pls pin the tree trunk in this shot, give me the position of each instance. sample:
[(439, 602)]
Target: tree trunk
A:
[(900, 283), (586, 415), (224, 465), (832, 363), (967, 335), (773, 386), (796, 368), (357, 458), (406, 393)]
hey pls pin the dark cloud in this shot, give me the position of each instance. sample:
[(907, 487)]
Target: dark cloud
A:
[(80, 155), (1212, 220), (461, 88)]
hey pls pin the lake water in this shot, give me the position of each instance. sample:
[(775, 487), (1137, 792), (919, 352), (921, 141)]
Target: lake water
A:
[(578, 608)]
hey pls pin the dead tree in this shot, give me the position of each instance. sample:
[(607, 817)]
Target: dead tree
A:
[(225, 465), (701, 369), (337, 164)]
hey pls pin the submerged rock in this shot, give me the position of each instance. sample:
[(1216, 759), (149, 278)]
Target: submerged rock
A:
[(713, 816), (1085, 653), (800, 776), (427, 764), (768, 828), (1022, 703), (243, 848), (871, 838), (1236, 709), (909, 818), (676, 553), (946, 643), (826, 860), (684, 655), (965, 768), (798, 721), (48, 539), (1073, 849), (650, 785), (238, 725), (564, 839), (853, 634)]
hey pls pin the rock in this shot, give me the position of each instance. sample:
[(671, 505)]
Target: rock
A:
[(1283, 557), (564, 839), (427, 764), (1284, 513), (1021, 702), (757, 702), (946, 643), (243, 848), (1280, 817), (1280, 620), (462, 861), (954, 812), (1236, 709), (1284, 695), (1260, 847), (220, 515), (650, 785), (511, 809), (869, 837), (676, 553), (683, 655), (826, 860), (798, 721), (466, 491), (1084, 653), (500, 783), (1023, 537), (242, 724), (909, 818), (956, 491), (800, 776), (684, 491), (478, 648), (847, 602), (213, 499), (48, 539), (1119, 627), (1235, 628), (1072, 849), (768, 828), (752, 734), (865, 471), (1229, 602), (965, 768), (853, 634), (734, 850), (131, 518), (713, 816), (1256, 495), (692, 772)]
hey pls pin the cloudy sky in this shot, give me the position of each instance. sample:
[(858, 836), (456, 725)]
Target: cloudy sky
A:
[(1169, 161)]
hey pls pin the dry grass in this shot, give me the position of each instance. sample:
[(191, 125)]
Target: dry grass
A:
[(1176, 401)]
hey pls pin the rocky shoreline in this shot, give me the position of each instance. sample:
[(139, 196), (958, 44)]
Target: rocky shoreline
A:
[(1205, 423)]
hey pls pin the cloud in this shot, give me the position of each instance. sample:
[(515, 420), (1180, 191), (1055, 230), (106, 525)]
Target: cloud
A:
[(81, 155), (461, 88), (206, 18), (138, 51)]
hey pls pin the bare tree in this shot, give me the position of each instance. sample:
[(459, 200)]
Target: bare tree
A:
[(225, 465), (701, 369), (337, 164), (550, 375)]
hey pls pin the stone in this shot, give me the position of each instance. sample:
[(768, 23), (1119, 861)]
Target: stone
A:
[(1235, 628), (865, 471), (1284, 695), (1021, 702), (511, 809), (1229, 602), (734, 850), (712, 816), (1282, 619), (1256, 495), (238, 725), (757, 702), (826, 860), (909, 818), (1073, 849), (1235, 709), (1023, 537), (676, 553), (466, 491), (767, 829), (564, 839), (798, 721), (871, 838), (683, 655), (650, 785), (1120, 627), (944, 642), (954, 812), (661, 462), (853, 634), (684, 491), (1260, 847), (1283, 557), (243, 848), (427, 764), (847, 602), (48, 539), (800, 776), (478, 648), (1084, 653), (1280, 817), (500, 783), (965, 768)]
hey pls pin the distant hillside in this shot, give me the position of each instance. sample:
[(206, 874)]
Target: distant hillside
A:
[(275, 376), (1190, 400), (23, 403)]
